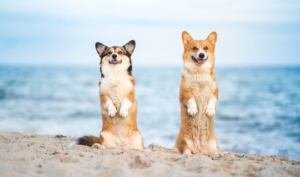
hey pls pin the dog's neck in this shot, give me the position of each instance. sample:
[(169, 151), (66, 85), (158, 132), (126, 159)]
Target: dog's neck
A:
[(197, 76), (194, 70), (114, 72)]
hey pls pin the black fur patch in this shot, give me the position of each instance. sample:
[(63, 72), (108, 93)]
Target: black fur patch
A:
[(87, 140), (101, 68), (104, 53), (129, 69)]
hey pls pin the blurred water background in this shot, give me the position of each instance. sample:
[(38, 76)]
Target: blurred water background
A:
[(258, 108)]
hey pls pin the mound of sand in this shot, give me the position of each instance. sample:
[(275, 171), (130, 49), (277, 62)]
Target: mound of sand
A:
[(47, 155)]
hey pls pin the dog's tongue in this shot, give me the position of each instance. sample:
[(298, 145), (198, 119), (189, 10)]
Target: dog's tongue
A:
[(200, 61), (115, 61)]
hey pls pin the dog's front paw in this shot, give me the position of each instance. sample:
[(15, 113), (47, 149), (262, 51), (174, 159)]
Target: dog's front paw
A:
[(192, 111), (112, 111), (210, 112), (126, 105), (123, 113), (192, 107)]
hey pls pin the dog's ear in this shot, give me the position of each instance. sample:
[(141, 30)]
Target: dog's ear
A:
[(212, 38), (100, 48), (186, 38), (130, 46)]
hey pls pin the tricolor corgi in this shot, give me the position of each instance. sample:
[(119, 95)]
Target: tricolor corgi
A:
[(198, 97), (117, 100)]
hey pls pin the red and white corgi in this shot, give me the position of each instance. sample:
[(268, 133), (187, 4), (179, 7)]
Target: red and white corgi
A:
[(198, 97), (117, 100)]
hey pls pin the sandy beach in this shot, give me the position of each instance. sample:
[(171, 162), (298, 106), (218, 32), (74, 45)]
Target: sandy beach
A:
[(48, 155)]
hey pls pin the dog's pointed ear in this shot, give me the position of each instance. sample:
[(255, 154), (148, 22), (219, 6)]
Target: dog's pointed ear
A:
[(130, 46), (212, 38), (186, 38), (100, 48)]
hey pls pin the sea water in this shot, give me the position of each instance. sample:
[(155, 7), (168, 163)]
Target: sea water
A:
[(258, 108)]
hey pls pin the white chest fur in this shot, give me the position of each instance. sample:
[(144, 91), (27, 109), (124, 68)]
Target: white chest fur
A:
[(116, 86), (201, 85)]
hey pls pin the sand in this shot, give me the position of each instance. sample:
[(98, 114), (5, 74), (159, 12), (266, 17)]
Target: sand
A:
[(47, 155)]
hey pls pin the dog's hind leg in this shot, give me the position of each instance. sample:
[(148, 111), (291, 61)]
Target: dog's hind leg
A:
[(182, 147)]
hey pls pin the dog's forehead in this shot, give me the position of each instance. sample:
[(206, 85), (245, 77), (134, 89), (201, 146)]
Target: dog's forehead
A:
[(200, 43), (115, 49)]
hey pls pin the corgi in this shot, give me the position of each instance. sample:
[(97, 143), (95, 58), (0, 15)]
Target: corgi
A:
[(117, 101), (198, 97)]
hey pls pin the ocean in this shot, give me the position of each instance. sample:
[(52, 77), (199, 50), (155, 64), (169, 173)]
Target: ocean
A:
[(258, 108)]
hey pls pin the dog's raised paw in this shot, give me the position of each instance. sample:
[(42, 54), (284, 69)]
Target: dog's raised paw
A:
[(123, 113), (112, 111), (210, 112), (192, 111), (98, 146)]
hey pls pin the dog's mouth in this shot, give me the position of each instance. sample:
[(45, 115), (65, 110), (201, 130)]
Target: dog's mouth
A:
[(114, 62), (199, 61)]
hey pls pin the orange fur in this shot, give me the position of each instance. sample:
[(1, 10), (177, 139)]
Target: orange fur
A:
[(199, 93)]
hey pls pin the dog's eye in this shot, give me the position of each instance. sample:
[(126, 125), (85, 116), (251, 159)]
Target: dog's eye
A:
[(205, 48), (109, 52), (119, 52), (195, 48)]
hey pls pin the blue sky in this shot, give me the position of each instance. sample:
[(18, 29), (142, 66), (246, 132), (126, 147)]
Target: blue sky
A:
[(64, 32)]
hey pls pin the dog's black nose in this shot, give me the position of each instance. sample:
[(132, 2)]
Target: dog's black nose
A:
[(114, 56), (201, 55)]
